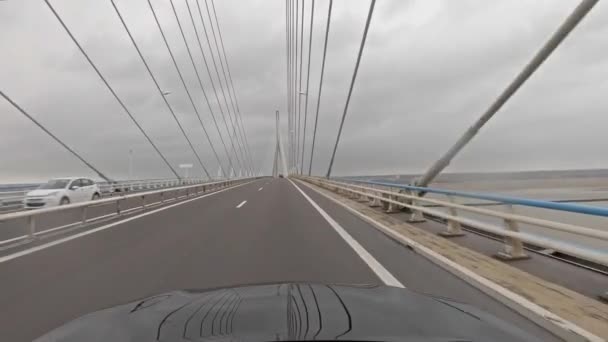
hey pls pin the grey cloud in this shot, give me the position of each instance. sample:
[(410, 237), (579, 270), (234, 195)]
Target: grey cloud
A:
[(429, 69)]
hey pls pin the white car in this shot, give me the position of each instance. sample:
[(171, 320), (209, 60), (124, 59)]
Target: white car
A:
[(62, 191)]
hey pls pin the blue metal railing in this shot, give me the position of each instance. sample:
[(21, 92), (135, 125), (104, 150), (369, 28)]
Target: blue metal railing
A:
[(570, 207)]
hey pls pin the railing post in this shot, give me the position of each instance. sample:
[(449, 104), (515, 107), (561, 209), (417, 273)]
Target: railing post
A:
[(351, 194), (83, 216), (374, 202), (143, 202), (384, 204), (118, 209), (514, 248), (453, 227), (162, 197), (363, 195), (31, 222), (391, 207), (416, 215)]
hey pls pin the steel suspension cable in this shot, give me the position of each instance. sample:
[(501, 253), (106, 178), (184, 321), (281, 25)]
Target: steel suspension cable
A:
[(124, 107), (352, 83), (198, 77), (89, 165), (295, 80), (242, 126), (314, 135), (287, 74), (241, 164), (232, 101), (212, 85), (181, 78), (300, 83), (312, 15), (575, 17), (296, 91), (239, 143), (291, 83)]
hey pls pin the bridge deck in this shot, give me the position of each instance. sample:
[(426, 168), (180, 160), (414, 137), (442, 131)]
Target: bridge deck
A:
[(276, 235)]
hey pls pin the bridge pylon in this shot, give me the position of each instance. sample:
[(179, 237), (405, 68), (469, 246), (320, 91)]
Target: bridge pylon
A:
[(279, 155)]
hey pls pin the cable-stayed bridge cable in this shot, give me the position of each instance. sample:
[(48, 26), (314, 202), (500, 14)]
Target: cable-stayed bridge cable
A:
[(183, 82), (314, 135), (99, 173), (143, 132), (179, 25), (352, 84)]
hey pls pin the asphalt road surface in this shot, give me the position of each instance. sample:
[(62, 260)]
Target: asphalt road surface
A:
[(277, 235)]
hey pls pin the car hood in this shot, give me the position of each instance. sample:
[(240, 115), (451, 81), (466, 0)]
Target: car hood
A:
[(290, 311), (41, 192)]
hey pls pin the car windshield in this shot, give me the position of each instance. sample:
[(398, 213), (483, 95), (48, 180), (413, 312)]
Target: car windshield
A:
[(55, 184)]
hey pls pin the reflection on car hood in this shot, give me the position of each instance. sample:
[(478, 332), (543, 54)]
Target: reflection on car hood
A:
[(290, 311), (41, 192)]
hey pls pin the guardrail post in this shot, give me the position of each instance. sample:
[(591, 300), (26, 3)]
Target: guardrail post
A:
[(118, 209), (416, 215), (390, 207), (162, 197), (374, 202), (143, 202), (453, 227), (351, 194), (514, 248), (83, 216), (363, 196), (31, 223)]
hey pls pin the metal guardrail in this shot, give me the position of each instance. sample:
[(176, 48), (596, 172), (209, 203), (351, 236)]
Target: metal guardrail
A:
[(383, 194), (119, 186), (570, 207), (13, 200), (166, 195)]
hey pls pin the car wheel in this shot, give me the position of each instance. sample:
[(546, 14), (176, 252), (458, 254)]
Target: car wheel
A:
[(95, 197), (64, 201)]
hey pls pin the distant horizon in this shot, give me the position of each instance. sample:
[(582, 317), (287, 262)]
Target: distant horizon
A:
[(463, 173), (482, 172)]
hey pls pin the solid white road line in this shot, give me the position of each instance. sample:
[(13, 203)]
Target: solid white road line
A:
[(531, 310), (382, 273), (260, 189), (98, 229), (240, 205)]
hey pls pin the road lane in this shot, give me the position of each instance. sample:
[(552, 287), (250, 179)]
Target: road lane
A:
[(64, 233), (276, 237), (416, 272), (12, 229), (201, 244)]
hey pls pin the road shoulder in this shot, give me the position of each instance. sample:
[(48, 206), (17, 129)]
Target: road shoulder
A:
[(562, 311)]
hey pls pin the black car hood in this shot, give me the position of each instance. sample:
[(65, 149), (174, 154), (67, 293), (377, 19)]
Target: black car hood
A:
[(290, 311)]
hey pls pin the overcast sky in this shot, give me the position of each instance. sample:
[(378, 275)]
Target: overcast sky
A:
[(429, 69)]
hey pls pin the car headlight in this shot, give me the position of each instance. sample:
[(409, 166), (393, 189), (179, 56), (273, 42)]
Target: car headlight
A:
[(52, 194)]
